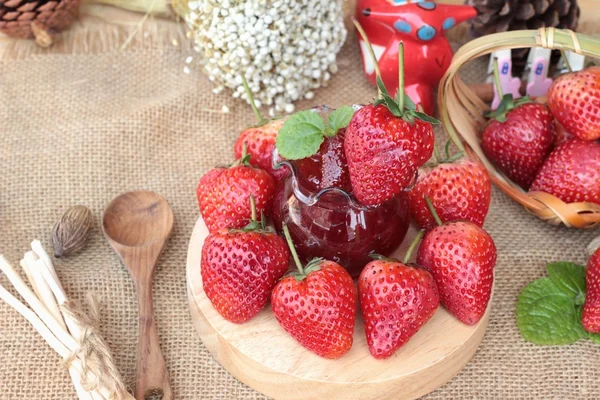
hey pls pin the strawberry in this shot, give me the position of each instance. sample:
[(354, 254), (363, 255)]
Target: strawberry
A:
[(396, 300), (240, 267), (572, 172), (459, 190), (591, 308), (461, 256), (384, 153), (224, 194), (574, 99), (259, 140), (518, 141), (386, 143), (317, 306)]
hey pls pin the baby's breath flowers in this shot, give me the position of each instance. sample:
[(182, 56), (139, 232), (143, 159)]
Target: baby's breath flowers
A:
[(285, 48)]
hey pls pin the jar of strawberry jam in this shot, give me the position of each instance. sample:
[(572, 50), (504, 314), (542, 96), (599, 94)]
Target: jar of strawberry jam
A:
[(316, 202)]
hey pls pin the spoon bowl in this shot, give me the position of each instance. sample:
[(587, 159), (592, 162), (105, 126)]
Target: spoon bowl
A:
[(137, 226), (138, 219)]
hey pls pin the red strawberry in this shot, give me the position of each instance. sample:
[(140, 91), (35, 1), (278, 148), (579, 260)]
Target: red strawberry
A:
[(224, 195), (384, 152), (574, 99), (591, 308), (317, 306), (396, 300), (387, 142), (240, 268), (461, 256), (572, 172), (518, 142), (459, 191), (260, 142)]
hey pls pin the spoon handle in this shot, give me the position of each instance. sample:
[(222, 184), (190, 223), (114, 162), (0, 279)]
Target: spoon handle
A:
[(152, 377)]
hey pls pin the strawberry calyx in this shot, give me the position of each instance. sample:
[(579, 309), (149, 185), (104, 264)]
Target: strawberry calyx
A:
[(254, 225), (244, 159), (448, 158), (508, 102), (303, 270), (379, 257)]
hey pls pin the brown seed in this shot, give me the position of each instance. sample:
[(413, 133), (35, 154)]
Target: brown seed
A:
[(71, 231)]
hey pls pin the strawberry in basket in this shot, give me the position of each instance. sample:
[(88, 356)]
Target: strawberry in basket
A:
[(572, 172), (518, 137), (574, 100)]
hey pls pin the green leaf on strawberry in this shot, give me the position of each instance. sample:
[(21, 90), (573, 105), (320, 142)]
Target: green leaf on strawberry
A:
[(303, 133), (546, 315)]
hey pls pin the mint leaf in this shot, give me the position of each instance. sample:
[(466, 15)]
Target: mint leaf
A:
[(340, 118), (547, 316), (595, 337), (301, 135), (570, 278)]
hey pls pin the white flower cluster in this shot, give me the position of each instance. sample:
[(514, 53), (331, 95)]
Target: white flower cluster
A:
[(284, 48)]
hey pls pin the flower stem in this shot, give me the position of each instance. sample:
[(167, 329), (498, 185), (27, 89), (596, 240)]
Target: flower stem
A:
[(497, 79), (432, 210), (260, 118), (362, 32), (412, 246), (290, 243), (401, 76)]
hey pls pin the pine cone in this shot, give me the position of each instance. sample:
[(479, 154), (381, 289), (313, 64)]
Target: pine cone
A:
[(39, 19), (510, 15)]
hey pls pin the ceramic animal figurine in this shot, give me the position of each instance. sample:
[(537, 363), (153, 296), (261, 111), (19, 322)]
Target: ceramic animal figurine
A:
[(421, 25)]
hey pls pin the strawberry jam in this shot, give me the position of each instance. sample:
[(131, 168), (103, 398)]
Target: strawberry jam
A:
[(324, 218)]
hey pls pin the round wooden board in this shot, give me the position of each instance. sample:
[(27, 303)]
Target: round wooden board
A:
[(265, 357)]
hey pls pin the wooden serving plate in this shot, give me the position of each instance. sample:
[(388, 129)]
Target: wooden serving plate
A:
[(265, 357)]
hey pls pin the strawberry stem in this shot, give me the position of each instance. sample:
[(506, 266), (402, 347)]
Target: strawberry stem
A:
[(432, 210), (412, 246), (364, 36), (566, 60), (401, 75), (497, 79), (290, 243), (260, 118), (253, 207)]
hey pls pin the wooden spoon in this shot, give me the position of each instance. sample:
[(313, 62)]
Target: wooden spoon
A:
[(137, 225)]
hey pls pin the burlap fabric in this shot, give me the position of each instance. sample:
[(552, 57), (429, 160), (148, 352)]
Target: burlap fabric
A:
[(84, 126)]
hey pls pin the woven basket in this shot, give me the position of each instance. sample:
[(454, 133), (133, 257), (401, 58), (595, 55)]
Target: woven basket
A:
[(462, 113)]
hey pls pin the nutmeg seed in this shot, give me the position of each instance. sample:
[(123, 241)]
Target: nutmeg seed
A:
[(71, 231)]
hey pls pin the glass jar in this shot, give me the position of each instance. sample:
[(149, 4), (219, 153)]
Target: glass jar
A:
[(331, 224)]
